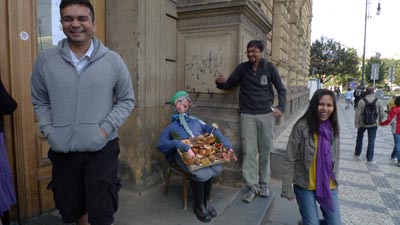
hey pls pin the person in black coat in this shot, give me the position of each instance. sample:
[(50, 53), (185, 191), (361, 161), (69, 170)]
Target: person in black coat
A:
[(358, 94), (7, 192)]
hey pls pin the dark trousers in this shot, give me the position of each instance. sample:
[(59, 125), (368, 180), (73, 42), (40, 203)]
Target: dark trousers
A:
[(86, 182), (371, 141)]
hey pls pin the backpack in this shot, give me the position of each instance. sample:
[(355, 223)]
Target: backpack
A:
[(370, 114)]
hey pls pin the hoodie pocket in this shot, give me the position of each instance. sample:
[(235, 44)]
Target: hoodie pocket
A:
[(88, 137), (60, 137)]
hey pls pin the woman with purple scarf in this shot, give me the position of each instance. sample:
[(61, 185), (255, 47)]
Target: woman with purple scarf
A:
[(311, 163), (7, 193)]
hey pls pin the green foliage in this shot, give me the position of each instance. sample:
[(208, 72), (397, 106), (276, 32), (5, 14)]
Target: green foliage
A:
[(396, 64), (384, 65), (331, 59), (367, 75)]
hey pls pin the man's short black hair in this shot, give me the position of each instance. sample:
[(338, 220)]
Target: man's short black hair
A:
[(86, 3), (256, 44)]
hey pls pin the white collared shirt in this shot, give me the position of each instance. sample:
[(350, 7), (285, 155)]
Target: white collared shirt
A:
[(83, 61)]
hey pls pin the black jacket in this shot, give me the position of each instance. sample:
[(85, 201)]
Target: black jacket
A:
[(7, 104), (256, 92)]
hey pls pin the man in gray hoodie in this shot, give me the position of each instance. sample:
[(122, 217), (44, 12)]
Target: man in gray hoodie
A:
[(82, 93)]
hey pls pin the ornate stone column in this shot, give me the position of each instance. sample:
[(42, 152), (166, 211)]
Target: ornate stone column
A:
[(212, 39)]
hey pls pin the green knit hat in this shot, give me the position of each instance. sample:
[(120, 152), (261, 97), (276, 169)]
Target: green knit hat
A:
[(178, 95)]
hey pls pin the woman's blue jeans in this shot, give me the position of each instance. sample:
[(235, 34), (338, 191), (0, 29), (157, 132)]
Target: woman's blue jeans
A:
[(307, 202), (396, 149)]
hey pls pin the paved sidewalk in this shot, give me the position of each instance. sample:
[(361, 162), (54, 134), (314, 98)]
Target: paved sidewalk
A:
[(153, 208), (369, 192)]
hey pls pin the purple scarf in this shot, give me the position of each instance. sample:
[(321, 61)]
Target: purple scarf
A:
[(324, 166)]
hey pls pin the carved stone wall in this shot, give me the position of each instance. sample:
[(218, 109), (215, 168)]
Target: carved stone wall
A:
[(291, 35), (212, 37), (183, 45)]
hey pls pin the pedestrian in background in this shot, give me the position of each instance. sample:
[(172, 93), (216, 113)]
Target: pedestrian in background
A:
[(185, 126), (394, 114), (348, 97), (82, 93), (7, 192), (358, 94), (311, 163), (362, 126), (257, 115), (337, 91), (389, 106)]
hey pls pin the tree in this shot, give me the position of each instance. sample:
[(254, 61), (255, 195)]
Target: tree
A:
[(381, 72), (330, 59), (396, 65)]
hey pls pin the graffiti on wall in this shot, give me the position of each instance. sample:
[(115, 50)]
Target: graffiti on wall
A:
[(206, 56), (208, 63)]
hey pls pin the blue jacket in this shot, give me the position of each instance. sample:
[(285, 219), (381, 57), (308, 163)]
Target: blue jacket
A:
[(171, 136)]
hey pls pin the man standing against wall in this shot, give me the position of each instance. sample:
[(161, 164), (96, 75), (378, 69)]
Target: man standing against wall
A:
[(82, 93), (364, 122), (257, 115)]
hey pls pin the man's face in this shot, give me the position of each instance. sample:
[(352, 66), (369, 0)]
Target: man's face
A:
[(254, 55), (78, 24)]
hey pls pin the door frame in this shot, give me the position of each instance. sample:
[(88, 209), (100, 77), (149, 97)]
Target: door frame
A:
[(18, 44)]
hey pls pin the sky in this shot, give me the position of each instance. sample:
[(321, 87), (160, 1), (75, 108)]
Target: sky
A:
[(344, 20)]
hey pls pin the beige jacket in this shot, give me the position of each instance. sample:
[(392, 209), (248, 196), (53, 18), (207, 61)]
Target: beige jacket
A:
[(299, 157), (358, 121)]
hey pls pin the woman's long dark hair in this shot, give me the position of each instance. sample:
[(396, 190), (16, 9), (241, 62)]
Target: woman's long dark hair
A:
[(311, 115), (397, 101)]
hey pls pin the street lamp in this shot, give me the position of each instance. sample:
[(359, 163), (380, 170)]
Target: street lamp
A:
[(378, 12)]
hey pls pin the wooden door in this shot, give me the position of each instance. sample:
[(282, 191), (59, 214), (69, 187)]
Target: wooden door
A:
[(25, 30)]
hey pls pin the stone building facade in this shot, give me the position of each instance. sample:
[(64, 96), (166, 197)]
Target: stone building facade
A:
[(172, 45), (168, 45)]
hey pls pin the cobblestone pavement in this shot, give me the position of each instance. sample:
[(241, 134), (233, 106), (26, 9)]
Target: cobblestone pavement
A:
[(369, 192)]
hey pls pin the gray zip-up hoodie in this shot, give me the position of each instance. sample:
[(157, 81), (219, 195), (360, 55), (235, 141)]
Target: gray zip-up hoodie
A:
[(71, 107)]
